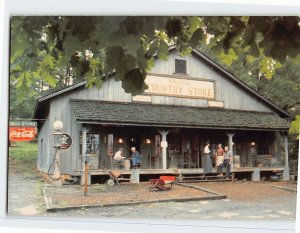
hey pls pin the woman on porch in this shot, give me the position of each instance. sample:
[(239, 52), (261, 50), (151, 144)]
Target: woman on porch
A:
[(206, 161), (219, 157)]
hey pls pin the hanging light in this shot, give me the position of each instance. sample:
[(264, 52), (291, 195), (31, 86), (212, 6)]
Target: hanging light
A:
[(148, 141), (58, 125), (120, 140)]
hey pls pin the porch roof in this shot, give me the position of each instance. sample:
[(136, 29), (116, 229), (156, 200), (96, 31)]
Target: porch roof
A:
[(141, 114)]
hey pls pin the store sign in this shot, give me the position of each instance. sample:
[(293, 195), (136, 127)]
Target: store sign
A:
[(19, 134), (190, 88)]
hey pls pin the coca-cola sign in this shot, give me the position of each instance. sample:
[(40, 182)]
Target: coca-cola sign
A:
[(19, 134)]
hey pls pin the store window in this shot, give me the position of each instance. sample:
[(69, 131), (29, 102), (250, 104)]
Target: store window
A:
[(175, 143), (180, 66), (92, 143)]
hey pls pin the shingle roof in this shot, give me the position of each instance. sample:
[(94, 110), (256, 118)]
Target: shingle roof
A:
[(119, 113)]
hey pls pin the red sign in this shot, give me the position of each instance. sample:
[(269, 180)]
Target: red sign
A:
[(19, 134)]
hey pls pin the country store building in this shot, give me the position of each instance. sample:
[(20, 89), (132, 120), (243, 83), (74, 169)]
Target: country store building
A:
[(190, 100)]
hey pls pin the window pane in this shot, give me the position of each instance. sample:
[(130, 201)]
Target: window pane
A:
[(180, 66)]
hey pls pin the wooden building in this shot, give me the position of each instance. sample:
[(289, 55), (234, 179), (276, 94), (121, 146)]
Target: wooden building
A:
[(190, 100)]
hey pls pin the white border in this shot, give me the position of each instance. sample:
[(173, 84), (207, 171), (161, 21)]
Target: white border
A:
[(123, 7)]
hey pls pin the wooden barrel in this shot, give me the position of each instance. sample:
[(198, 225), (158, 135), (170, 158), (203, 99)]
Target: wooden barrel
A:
[(236, 161), (127, 164)]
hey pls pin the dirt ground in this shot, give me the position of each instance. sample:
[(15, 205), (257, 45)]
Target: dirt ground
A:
[(123, 193), (249, 192), (246, 200)]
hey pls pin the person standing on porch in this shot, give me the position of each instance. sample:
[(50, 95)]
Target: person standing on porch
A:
[(227, 161), (135, 157), (206, 161), (219, 157)]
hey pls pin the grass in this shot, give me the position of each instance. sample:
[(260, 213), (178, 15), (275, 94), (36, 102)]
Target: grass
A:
[(23, 157)]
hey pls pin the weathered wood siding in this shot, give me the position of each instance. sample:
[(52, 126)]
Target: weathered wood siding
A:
[(233, 96), (44, 158)]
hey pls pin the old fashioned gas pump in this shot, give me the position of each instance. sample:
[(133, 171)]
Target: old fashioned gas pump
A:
[(61, 141)]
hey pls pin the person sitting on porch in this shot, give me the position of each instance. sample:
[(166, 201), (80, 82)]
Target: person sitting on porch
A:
[(119, 158), (219, 157), (135, 158), (226, 162)]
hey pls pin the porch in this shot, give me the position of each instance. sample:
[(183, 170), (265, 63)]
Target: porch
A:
[(137, 175)]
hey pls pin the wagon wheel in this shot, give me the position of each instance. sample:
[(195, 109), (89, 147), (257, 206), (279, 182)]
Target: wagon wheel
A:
[(110, 182), (153, 186)]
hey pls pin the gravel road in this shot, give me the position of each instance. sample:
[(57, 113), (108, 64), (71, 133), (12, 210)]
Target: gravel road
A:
[(25, 198)]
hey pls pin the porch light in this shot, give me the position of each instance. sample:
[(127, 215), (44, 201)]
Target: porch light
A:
[(148, 141), (252, 143), (58, 125), (120, 140)]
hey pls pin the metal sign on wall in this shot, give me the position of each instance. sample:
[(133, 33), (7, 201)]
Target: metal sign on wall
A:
[(190, 88), (22, 131), (66, 141)]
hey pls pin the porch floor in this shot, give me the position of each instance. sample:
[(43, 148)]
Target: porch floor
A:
[(185, 171)]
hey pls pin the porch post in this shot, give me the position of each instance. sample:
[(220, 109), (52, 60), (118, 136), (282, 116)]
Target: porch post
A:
[(230, 141), (164, 145), (230, 145), (286, 172), (84, 133)]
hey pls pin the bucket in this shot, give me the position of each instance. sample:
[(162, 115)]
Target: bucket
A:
[(126, 164), (236, 161)]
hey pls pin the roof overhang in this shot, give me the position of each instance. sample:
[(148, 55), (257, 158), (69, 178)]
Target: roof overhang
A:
[(152, 115)]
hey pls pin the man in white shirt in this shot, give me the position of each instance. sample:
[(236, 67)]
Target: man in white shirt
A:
[(226, 162), (119, 157)]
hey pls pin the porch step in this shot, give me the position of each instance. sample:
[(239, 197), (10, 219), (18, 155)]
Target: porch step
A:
[(203, 178)]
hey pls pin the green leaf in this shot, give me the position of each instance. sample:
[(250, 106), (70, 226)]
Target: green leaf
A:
[(134, 81), (295, 126), (152, 49), (194, 23), (197, 36), (163, 50), (228, 58)]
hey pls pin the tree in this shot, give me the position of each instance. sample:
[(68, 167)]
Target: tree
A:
[(94, 47)]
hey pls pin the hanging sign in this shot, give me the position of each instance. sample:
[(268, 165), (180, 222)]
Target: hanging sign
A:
[(66, 141), (22, 131)]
